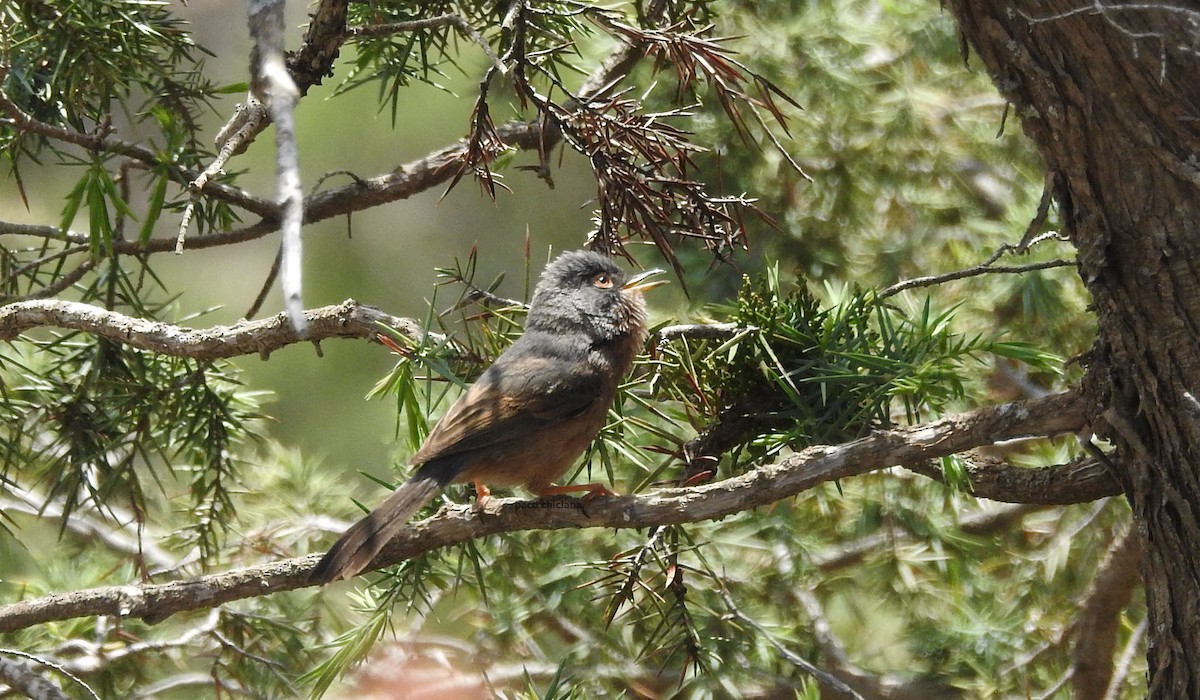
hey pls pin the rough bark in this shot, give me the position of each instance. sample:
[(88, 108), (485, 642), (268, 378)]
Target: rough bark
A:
[(1109, 95)]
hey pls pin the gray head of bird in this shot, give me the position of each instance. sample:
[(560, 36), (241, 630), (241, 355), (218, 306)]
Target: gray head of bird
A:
[(586, 292)]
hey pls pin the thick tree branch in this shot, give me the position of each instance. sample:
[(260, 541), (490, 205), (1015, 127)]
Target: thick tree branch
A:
[(789, 476), (1083, 480), (1100, 88), (1100, 617), (349, 319), (322, 42)]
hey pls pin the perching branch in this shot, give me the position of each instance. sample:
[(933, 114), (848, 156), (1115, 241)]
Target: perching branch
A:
[(792, 475), (349, 319)]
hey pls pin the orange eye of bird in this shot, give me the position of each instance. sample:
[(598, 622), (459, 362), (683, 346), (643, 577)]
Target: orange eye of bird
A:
[(602, 281)]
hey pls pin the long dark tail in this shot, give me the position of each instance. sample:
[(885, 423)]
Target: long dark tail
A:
[(356, 548)]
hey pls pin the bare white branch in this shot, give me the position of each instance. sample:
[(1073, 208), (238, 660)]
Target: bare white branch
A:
[(349, 319), (273, 85)]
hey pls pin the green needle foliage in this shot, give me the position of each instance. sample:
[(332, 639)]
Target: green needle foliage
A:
[(796, 373), (97, 422)]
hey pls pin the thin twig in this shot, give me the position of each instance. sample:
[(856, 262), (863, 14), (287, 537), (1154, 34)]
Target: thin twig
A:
[(88, 522), (306, 67), (33, 264), (1131, 652), (261, 298), (247, 121), (983, 268), (633, 574), (870, 684), (478, 294), (364, 193), (22, 121), (1031, 237), (979, 522), (701, 331), (456, 21), (822, 676), (54, 287), (181, 681)]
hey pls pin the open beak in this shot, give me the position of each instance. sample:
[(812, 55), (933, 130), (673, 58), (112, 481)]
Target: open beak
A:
[(641, 282)]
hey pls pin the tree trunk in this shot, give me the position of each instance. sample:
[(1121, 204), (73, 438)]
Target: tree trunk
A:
[(1110, 95)]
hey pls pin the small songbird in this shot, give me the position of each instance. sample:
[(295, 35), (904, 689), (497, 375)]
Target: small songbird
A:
[(532, 413)]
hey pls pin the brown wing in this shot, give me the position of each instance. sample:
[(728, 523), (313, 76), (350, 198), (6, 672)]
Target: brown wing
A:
[(517, 395)]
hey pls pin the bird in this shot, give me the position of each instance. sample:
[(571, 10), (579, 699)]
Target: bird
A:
[(532, 413)]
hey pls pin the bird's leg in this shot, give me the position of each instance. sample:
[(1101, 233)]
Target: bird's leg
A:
[(482, 492)]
